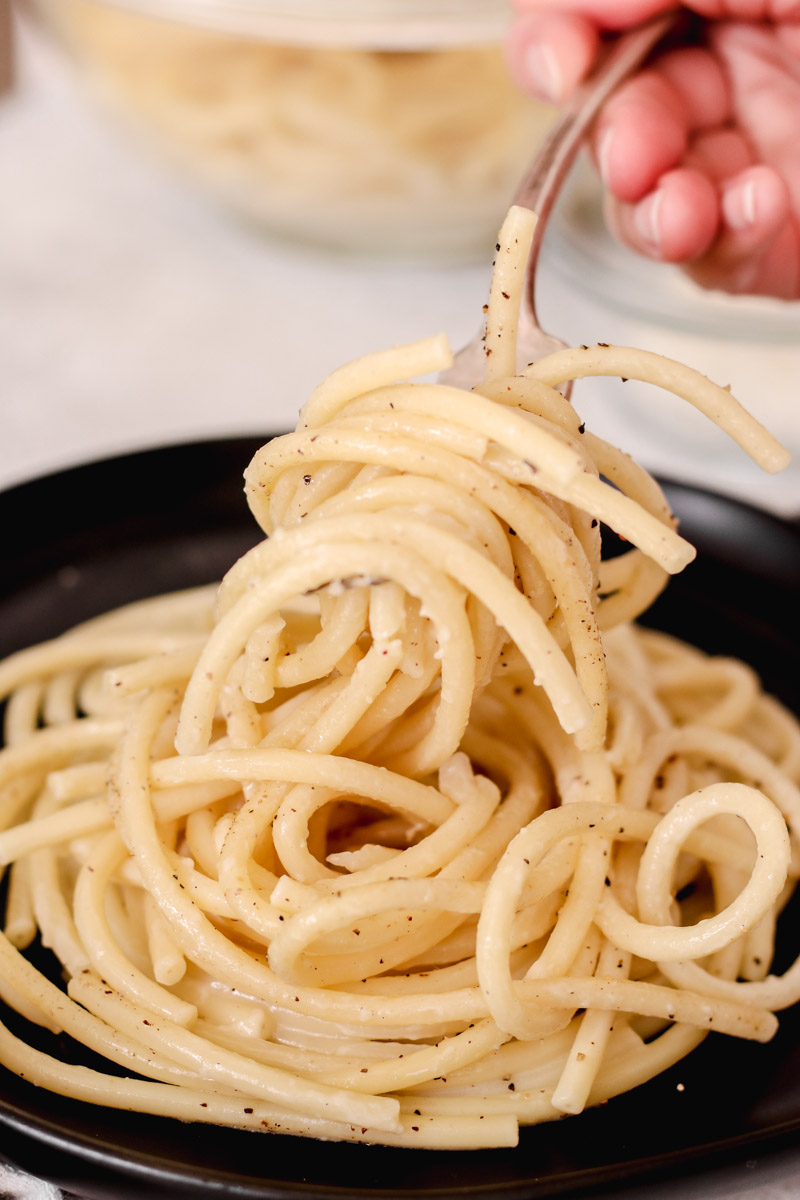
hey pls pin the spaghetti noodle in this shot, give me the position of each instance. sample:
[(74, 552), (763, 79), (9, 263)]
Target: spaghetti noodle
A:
[(408, 833)]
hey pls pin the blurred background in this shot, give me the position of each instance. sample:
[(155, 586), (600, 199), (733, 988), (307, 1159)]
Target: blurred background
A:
[(207, 206)]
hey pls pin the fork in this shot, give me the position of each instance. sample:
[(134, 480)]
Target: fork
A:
[(543, 182)]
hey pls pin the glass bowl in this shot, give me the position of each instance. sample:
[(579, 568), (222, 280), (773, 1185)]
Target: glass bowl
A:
[(364, 125)]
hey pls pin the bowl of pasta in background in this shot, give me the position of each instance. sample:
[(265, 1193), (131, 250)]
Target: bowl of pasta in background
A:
[(386, 126)]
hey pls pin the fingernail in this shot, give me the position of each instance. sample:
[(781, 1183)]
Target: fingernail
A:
[(544, 72), (604, 155), (739, 204), (647, 219)]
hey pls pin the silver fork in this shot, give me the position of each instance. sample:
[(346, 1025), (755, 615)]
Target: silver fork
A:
[(542, 184)]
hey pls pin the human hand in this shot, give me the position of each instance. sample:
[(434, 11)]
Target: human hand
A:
[(700, 152)]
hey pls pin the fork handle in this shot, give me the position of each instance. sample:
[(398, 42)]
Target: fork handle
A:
[(542, 184)]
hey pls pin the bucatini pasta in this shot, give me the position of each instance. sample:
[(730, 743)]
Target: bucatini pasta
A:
[(408, 833)]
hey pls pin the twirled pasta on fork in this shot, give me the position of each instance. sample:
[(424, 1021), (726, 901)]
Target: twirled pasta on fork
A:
[(408, 833)]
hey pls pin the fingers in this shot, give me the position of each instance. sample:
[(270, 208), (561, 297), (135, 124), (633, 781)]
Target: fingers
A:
[(549, 53), (765, 78), (759, 246), (679, 146), (642, 132), (737, 236), (551, 50), (620, 14), (605, 14), (748, 10), (645, 129), (675, 223), (717, 192), (720, 154), (699, 82), (757, 249), (754, 206)]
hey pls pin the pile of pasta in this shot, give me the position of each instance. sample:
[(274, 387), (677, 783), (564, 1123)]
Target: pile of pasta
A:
[(407, 833)]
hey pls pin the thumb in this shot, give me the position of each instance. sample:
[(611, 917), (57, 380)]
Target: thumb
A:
[(549, 52), (552, 46)]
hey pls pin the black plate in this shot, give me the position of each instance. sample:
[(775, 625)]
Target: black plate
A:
[(84, 540)]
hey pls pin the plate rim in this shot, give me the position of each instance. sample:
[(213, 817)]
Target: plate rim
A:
[(136, 1165)]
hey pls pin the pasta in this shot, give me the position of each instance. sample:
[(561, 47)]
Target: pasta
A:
[(357, 145), (407, 833)]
